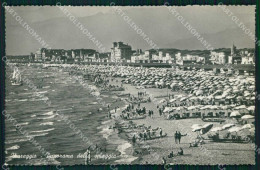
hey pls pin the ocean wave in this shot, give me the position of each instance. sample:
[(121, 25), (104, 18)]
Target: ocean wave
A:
[(25, 123), (93, 103), (65, 109), (41, 134), (47, 123), (46, 87), (21, 100), (50, 117), (40, 99), (42, 92), (40, 131), (33, 115), (15, 141), (26, 93), (13, 147), (48, 113)]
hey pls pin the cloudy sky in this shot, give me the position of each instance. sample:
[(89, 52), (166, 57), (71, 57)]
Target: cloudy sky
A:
[(158, 23)]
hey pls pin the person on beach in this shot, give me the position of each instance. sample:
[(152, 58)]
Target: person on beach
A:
[(160, 111), (145, 135), (180, 152), (170, 155), (164, 161), (149, 134), (160, 132), (88, 156), (134, 140), (176, 137), (179, 136)]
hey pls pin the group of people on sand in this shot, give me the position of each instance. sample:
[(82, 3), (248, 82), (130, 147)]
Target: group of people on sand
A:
[(150, 113), (177, 137), (171, 155), (141, 94)]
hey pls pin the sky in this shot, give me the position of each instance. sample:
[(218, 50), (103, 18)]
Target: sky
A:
[(107, 26)]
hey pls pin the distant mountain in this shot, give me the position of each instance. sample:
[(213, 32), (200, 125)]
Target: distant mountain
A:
[(161, 28)]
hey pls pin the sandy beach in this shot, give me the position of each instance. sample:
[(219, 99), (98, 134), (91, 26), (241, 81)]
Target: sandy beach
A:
[(152, 151)]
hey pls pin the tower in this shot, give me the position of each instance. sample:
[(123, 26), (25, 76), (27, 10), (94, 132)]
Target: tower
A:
[(233, 50)]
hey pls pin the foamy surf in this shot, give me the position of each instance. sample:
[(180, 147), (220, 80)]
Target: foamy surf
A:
[(22, 100), (46, 123), (50, 117), (25, 123), (41, 134), (125, 158), (15, 147), (40, 131), (106, 132), (15, 141), (48, 113)]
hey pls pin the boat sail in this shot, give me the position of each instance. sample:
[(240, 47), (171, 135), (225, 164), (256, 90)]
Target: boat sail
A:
[(16, 78)]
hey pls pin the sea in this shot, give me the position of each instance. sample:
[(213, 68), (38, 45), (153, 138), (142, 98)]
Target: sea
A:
[(26, 104)]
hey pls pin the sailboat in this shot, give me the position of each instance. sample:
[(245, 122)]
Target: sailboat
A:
[(16, 78)]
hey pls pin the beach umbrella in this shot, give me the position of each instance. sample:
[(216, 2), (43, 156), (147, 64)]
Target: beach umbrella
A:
[(247, 126), (247, 117), (240, 107), (235, 129), (206, 128), (199, 92), (235, 114), (197, 129), (172, 100), (168, 109), (251, 108), (252, 130), (226, 126), (218, 97), (215, 129), (178, 108), (162, 101), (183, 98), (195, 125), (191, 107)]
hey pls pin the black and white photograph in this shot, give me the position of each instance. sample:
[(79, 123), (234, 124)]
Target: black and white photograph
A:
[(132, 85)]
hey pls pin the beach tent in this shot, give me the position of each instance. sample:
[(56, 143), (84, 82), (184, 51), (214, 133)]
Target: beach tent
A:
[(247, 117)]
